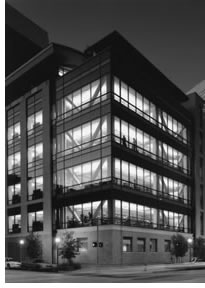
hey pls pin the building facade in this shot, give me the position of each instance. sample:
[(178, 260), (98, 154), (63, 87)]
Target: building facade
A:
[(196, 106), (98, 143)]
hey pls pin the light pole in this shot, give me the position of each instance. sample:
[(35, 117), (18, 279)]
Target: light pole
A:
[(57, 241), (189, 240), (21, 242)]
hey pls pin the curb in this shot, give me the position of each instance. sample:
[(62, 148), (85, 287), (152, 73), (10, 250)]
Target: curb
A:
[(136, 273)]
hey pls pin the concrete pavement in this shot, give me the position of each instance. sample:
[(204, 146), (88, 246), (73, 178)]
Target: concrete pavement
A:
[(132, 270)]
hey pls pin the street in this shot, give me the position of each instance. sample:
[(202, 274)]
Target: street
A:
[(191, 276)]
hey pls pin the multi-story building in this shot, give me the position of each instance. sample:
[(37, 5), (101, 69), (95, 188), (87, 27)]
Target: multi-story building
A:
[(98, 143), (196, 106)]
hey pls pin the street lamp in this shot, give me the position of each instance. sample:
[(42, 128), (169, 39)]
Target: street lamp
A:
[(21, 242), (190, 241), (57, 241)]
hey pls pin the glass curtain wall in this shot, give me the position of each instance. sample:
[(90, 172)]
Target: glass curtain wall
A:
[(86, 214), (139, 141), (146, 109), (121, 212), (83, 175), (132, 214), (88, 95), (82, 137), (135, 177)]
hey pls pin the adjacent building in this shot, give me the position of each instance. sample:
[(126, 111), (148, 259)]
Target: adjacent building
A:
[(100, 143)]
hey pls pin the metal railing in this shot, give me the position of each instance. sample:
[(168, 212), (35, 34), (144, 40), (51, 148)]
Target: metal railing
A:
[(140, 150), (131, 222)]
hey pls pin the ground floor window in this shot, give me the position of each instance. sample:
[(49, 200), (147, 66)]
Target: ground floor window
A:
[(127, 244), (141, 244), (82, 244), (167, 245), (153, 245)]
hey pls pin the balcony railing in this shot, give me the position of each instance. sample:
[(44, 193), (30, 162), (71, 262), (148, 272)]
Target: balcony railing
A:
[(139, 150), (131, 222), (151, 119), (151, 190), (123, 184)]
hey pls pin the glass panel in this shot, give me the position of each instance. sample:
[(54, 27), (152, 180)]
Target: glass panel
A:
[(95, 131), (95, 89), (133, 210), (10, 133), (96, 170), (118, 208), (127, 244), (77, 137), (39, 151), (39, 118), (39, 216), (116, 86), (86, 131), (30, 122), (68, 103), (105, 172), (117, 169), (86, 94), (124, 94), (133, 172), (104, 86), (86, 172), (125, 170), (132, 99), (60, 142), (77, 99), (104, 126), (125, 210)]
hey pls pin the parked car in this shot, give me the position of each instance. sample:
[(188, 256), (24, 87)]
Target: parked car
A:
[(10, 263), (39, 265), (196, 259)]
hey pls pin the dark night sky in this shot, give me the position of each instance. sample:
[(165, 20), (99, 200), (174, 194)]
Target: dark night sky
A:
[(170, 33)]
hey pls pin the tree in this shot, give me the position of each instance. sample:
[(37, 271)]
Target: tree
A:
[(179, 246), (68, 249), (199, 248), (34, 246)]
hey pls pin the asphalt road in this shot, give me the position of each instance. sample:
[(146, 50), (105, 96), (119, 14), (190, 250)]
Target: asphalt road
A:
[(191, 276)]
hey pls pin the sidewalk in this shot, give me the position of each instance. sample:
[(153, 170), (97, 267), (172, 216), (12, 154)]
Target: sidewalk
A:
[(132, 270)]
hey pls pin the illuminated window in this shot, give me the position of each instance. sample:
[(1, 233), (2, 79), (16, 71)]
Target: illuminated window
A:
[(14, 161), (14, 193), (14, 132), (14, 223), (87, 96), (35, 188), (35, 221), (35, 120), (127, 244), (35, 152)]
